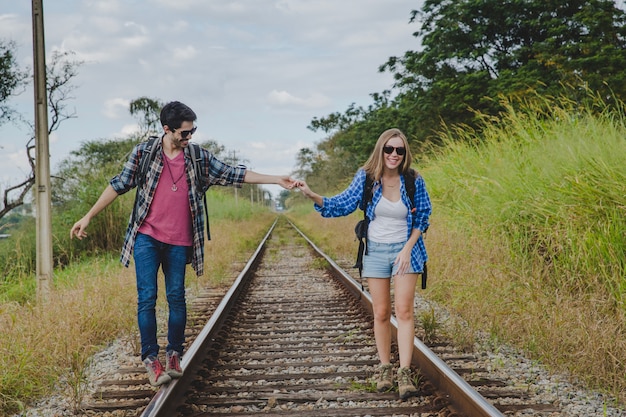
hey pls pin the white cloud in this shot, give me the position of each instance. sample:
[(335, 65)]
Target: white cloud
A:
[(19, 162), (115, 108), (104, 6), (53, 137), (258, 145), (186, 53), (285, 99), (127, 130)]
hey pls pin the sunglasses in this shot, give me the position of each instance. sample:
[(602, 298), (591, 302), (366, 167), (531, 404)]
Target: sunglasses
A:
[(389, 149), (184, 134)]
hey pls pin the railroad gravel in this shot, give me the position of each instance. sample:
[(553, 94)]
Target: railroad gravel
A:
[(502, 362)]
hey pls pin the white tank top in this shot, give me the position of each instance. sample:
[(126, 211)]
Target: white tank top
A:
[(389, 225)]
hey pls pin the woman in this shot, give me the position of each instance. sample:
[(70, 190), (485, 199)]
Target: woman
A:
[(395, 247)]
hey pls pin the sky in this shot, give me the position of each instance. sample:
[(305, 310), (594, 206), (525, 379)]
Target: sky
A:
[(256, 72)]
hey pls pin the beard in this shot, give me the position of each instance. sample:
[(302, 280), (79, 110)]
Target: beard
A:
[(180, 144)]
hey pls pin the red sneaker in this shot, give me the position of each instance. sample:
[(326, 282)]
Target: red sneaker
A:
[(156, 374)]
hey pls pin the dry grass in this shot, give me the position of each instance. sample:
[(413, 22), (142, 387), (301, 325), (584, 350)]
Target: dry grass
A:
[(476, 278), (92, 304), (44, 341)]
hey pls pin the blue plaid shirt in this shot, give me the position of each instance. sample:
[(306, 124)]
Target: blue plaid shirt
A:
[(350, 199), (212, 172)]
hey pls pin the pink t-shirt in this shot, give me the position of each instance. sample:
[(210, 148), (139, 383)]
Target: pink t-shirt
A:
[(169, 216)]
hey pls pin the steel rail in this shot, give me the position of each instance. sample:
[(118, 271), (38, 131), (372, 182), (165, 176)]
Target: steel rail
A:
[(158, 406), (463, 397)]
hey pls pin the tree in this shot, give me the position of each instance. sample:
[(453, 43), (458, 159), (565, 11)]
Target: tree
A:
[(475, 51), (60, 73), (353, 135), (147, 111), (12, 79)]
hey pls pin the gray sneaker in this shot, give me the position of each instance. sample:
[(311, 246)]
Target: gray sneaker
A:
[(172, 364), (384, 377), (156, 373), (406, 388)]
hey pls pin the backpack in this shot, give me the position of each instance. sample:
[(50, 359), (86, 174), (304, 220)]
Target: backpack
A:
[(148, 156), (361, 227)]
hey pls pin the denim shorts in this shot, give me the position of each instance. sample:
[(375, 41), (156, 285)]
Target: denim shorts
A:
[(378, 262)]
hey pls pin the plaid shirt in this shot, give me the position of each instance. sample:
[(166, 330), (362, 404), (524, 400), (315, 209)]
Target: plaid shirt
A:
[(350, 199), (212, 172)]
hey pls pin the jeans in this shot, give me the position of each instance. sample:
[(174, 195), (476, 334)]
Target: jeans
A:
[(149, 254)]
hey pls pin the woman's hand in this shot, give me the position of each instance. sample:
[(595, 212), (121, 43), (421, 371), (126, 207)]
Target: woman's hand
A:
[(304, 188), (403, 260)]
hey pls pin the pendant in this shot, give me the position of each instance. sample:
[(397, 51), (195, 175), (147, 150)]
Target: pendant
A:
[(174, 187)]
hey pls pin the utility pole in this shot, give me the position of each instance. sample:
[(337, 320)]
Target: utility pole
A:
[(42, 159)]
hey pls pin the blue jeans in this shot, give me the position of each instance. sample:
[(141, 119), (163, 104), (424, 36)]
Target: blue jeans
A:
[(149, 254)]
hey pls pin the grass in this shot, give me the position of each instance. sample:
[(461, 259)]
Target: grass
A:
[(527, 236), (429, 323), (49, 345)]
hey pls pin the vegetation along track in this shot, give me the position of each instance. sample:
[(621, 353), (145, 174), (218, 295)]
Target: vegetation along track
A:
[(293, 336)]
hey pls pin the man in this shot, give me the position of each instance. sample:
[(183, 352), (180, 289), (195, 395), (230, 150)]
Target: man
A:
[(166, 228)]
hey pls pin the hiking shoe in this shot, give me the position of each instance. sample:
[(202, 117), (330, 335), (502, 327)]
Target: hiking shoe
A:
[(172, 364), (156, 374), (406, 388), (383, 377)]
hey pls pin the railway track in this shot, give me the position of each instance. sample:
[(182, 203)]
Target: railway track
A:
[(293, 336)]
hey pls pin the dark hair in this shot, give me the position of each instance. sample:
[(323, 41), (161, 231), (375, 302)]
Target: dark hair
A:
[(174, 113)]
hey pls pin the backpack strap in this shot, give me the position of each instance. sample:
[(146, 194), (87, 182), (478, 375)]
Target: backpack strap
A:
[(362, 234), (147, 156), (409, 184), (146, 160), (196, 157)]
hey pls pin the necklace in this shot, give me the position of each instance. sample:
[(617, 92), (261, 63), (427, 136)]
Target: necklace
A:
[(390, 185), (167, 164)]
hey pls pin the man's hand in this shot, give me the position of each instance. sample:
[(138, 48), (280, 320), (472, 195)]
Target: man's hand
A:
[(287, 182), (78, 229)]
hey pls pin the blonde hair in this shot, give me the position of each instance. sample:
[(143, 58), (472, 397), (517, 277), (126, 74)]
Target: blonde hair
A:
[(375, 163)]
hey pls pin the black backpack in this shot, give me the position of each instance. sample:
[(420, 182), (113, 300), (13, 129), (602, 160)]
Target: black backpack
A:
[(361, 227), (146, 160)]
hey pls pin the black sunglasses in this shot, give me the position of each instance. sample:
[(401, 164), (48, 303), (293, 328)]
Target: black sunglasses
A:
[(389, 149), (185, 133)]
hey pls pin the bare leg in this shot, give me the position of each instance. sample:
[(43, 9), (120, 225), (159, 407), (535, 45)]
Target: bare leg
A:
[(404, 295), (381, 297)]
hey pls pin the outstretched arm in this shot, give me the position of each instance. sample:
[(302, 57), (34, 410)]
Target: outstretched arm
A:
[(283, 180), (106, 198)]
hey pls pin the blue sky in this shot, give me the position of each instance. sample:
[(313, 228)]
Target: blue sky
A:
[(255, 71)]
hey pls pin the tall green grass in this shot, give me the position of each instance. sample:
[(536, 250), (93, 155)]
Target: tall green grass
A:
[(550, 180)]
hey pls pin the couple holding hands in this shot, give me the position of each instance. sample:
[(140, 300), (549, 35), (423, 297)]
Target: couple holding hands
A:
[(166, 230)]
